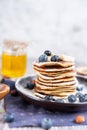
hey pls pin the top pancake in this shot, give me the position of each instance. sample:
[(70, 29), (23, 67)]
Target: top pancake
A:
[(64, 61), (55, 64)]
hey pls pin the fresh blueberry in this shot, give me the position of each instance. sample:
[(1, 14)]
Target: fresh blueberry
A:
[(59, 100), (72, 98), (55, 58), (30, 85), (8, 117), (48, 53), (43, 58), (79, 88), (48, 97), (82, 98), (46, 123)]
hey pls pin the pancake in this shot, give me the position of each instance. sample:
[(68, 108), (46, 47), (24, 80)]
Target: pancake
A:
[(53, 69), (56, 93), (53, 74), (56, 77), (56, 84), (82, 70), (60, 63), (49, 88), (57, 80), (55, 90), (41, 95)]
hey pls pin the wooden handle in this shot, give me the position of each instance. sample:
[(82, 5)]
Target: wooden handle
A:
[(4, 90)]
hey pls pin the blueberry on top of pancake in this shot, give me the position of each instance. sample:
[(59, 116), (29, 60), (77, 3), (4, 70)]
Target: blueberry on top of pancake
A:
[(43, 58), (55, 58), (47, 52)]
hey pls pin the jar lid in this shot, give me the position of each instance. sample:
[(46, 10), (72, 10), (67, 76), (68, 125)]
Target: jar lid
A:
[(15, 45)]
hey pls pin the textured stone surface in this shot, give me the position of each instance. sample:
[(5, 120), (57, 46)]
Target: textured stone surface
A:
[(48, 24)]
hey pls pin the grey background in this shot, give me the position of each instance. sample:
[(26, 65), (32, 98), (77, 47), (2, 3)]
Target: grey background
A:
[(58, 25)]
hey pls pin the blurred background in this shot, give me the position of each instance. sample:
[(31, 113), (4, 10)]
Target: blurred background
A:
[(57, 25)]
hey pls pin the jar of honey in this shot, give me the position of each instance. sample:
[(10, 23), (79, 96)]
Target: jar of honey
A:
[(14, 59)]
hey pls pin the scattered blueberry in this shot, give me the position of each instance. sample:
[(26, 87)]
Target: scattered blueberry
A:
[(8, 117), (59, 100), (82, 98), (30, 85), (43, 58), (78, 94), (48, 97), (47, 52), (46, 123), (79, 88), (72, 98), (55, 58)]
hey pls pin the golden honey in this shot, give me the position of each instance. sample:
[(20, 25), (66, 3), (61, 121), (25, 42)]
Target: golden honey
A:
[(13, 65)]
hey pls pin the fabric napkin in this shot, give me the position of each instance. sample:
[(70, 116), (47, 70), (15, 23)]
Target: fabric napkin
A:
[(27, 114), (31, 115)]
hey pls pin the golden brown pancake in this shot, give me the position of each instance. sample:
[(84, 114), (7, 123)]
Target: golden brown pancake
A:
[(53, 71), (56, 84), (53, 68), (56, 77), (49, 88), (60, 63), (54, 74), (56, 93), (57, 80), (82, 70), (41, 95)]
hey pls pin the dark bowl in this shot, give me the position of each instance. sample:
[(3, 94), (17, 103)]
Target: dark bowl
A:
[(50, 105)]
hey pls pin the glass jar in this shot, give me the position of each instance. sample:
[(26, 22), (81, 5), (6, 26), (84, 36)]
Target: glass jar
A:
[(14, 59)]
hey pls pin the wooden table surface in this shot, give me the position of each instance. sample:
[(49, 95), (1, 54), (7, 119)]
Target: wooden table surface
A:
[(4, 126)]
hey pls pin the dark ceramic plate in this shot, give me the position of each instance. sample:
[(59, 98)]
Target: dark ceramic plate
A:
[(51, 105)]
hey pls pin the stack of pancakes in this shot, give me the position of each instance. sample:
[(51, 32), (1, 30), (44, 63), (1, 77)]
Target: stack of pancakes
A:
[(56, 78)]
